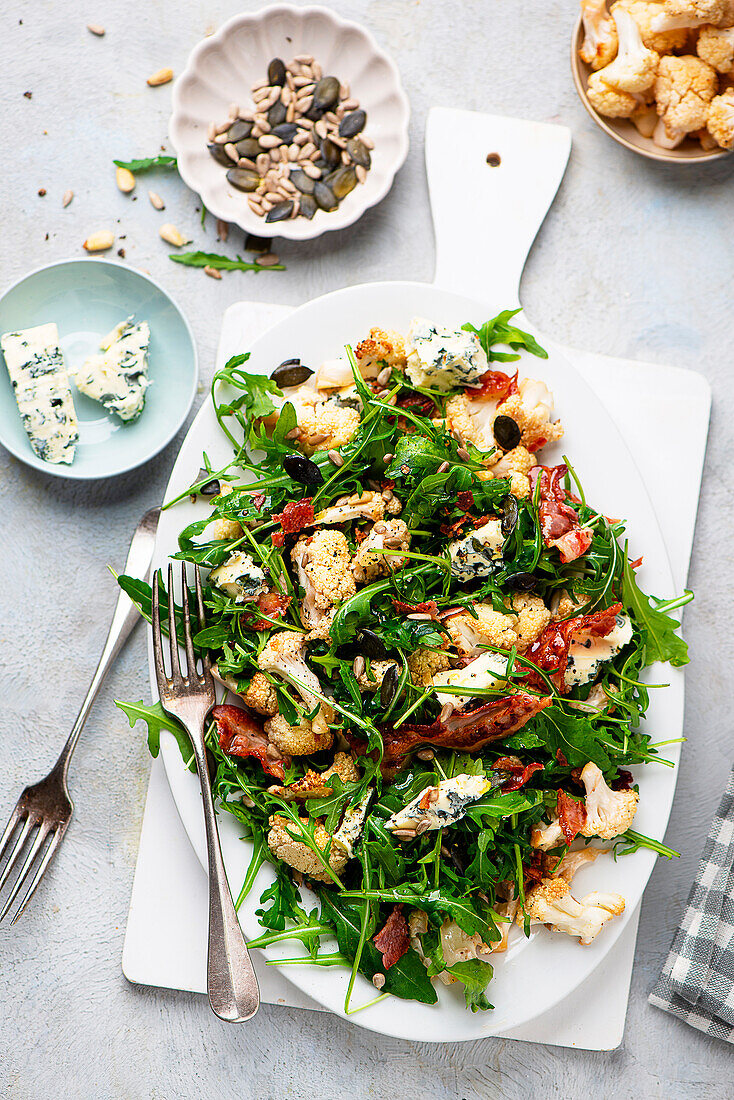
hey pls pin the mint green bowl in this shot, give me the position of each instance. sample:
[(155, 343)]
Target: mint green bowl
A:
[(86, 299)]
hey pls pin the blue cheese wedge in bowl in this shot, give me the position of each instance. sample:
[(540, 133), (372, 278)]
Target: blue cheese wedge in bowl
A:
[(40, 383), (436, 807), (444, 358), (118, 378)]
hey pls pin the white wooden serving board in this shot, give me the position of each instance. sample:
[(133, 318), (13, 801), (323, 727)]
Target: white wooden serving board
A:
[(480, 256)]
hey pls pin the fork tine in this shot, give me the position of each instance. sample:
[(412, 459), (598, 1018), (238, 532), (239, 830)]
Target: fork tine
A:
[(22, 837), (23, 873), (45, 860), (202, 619), (172, 635), (160, 670), (190, 655), (9, 830)]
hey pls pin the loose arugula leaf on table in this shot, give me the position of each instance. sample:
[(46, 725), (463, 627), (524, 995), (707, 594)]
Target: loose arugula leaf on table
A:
[(143, 164), (156, 720), (220, 263), (500, 331)]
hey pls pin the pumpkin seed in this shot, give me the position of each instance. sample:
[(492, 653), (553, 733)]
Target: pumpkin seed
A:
[(308, 206), (389, 686), (352, 124), (290, 373), (371, 645), (280, 211), (326, 93), (244, 179), (343, 181), (239, 130), (248, 147), (302, 469), (276, 73), (303, 182), (521, 582), (286, 131), (277, 112), (330, 153), (324, 196), (359, 152), (217, 151), (506, 432), (509, 515)]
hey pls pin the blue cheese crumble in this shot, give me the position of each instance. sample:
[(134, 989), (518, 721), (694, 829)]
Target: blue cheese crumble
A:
[(483, 672), (587, 654), (239, 577), (442, 805), (442, 358), (479, 553), (118, 378), (41, 386)]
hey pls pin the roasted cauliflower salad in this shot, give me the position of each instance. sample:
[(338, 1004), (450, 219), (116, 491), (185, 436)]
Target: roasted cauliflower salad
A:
[(434, 650)]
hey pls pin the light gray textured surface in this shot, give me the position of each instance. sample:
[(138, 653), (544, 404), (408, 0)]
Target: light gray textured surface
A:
[(634, 260)]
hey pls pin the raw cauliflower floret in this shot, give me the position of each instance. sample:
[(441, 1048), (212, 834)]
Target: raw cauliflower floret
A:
[(369, 505), (299, 740), (608, 101), (383, 348), (325, 426), (316, 784), (684, 88), (550, 902), (372, 681), (532, 408), (369, 563), (720, 123), (322, 561), (425, 663), (633, 69), (600, 34), (297, 854), (716, 46), (678, 14), (643, 12), (284, 655), (608, 813)]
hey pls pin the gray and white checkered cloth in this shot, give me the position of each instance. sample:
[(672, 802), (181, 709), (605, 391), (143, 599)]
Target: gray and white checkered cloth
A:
[(697, 981)]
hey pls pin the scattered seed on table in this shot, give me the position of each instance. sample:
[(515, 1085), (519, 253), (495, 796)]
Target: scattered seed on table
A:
[(233, 111), (68, 196), (99, 242), (269, 259), (96, 29), (162, 76), (212, 272), (446, 711), (125, 180), (222, 229), (156, 200), (171, 235)]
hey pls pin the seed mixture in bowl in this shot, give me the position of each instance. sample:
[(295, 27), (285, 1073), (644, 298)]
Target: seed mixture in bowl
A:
[(435, 645), (301, 147)]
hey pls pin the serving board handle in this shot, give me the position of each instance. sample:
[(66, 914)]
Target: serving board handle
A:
[(486, 214)]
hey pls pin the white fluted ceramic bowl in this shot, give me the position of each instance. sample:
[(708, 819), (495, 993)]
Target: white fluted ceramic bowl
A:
[(221, 70)]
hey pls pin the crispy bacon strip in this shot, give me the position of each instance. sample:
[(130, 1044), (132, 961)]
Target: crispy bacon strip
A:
[(241, 735), (550, 649), (393, 939), (270, 603), (558, 521), (296, 515), (467, 731), (494, 383), (571, 815), (520, 774), (429, 607)]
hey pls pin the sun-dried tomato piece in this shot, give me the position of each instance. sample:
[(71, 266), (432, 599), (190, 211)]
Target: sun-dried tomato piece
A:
[(559, 522), (393, 939), (549, 651), (494, 383), (241, 735), (571, 815)]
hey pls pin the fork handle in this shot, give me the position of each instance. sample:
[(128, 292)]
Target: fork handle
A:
[(234, 994)]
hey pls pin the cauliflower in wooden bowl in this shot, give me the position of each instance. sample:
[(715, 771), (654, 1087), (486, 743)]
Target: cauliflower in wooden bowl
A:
[(658, 75)]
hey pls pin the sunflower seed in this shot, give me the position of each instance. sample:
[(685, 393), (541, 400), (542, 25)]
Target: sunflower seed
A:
[(125, 180), (304, 58), (463, 454), (350, 104), (443, 468), (270, 141), (310, 170), (96, 29), (162, 76), (404, 834), (212, 272), (231, 151), (344, 90), (361, 173), (293, 433), (156, 201), (384, 376), (394, 543), (68, 196), (359, 666), (211, 131), (99, 242), (233, 111), (446, 711), (419, 616), (255, 205), (171, 235), (260, 95), (305, 123), (425, 754)]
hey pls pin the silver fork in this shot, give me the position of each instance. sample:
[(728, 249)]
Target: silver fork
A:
[(189, 696), (45, 808)]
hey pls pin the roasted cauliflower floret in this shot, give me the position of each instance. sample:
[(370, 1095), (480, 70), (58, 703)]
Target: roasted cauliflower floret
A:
[(382, 348), (716, 46), (369, 505), (570, 863), (425, 663), (322, 562), (565, 606), (546, 837), (370, 562), (299, 855), (633, 69), (608, 101), (684, 88), (316, 784), (260, 695), (325, 426), (550, 902), (532, 618), (643, 12), (372, 680), (284, 655), (532, 408), (472, 418), (600, 34), (516, 464), (469, 634), (608, 813), (720, 123), (299, 740), (679, 14)]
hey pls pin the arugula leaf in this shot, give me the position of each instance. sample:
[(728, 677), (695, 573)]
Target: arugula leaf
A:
[(284, 902), (575, 735), (220, 263), (661, 641), (500, 331), (156, 720), (406, 979), (415, 455), (145, 163), (476, 976)]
